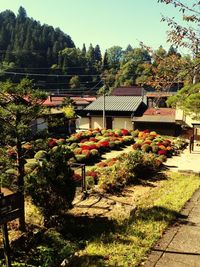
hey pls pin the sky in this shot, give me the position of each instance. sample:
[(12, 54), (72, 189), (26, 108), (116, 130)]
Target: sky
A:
[(103, 22)]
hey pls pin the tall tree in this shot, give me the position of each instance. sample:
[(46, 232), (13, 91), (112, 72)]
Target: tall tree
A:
[(83, 51), (97, 54), (185, 35), (188, 100), (20, 105), (114, 54)]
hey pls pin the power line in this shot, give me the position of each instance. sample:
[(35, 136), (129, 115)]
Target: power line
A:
[(49, 75)]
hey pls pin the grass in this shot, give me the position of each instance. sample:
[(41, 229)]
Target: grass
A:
[(130, 242)]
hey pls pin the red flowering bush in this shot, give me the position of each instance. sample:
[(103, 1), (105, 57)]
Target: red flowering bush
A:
[(84, 140), (52, 143), (76, 177), (102, 164), (162, 152), (136, 146), (12, 153), (86, 152), (125, 132), (92, 175), (93, 139)]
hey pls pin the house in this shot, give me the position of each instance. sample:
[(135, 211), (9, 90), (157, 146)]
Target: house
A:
[(189, 125), (118, 112), (78, 102), (134, 90), (161, 120), (158, 116), (119, 107)]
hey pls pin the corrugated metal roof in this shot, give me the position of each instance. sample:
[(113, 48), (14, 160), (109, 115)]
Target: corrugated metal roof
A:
[(116, 103)]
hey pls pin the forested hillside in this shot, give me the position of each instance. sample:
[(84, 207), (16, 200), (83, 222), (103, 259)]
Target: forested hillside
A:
[(29, 44), (50, 58)]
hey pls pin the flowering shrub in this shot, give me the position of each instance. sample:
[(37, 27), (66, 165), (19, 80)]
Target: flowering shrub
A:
[(115, 173), (52, 143)]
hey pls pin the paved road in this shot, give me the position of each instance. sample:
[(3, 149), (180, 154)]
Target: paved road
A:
[(180, 245), (186, 161)]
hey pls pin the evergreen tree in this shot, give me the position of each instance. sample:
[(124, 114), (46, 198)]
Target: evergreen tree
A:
[(21, 14), (19, 106), (97, 54), (91, 54), (105, 61), (129, 48), (83, 51)]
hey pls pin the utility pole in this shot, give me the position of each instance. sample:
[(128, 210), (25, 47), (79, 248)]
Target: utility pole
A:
[(104, 108), (104, 90)]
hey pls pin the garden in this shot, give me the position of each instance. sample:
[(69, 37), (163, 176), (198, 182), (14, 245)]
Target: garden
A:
[(50, 188)]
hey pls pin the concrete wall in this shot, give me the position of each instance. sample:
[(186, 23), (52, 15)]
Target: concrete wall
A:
[(125, 122), (186, 118), (83, 123), (96, 122)]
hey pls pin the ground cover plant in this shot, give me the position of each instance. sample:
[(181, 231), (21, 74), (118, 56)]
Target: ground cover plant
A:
[(48, 176), (130, 241)]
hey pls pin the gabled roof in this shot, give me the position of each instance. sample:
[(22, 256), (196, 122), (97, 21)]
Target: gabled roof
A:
[(134, 90), (116, 103), (53, 101)]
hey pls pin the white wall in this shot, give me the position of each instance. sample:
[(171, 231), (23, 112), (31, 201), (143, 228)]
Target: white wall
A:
[(125, 122), (96, 122), (84, 123), (186, 118)]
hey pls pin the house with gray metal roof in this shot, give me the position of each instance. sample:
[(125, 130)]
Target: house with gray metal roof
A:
[(118, 112)]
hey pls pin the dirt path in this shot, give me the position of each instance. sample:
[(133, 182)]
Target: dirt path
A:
[(116, 153), (111, 206)]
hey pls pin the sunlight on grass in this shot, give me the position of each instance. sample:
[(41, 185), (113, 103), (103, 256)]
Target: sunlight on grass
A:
[(33, 214), (131, 241)]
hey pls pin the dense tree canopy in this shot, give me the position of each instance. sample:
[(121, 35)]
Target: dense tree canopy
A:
[(50, 57), (187, 35), (20, 105)]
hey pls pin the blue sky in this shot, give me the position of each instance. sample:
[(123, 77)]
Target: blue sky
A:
[(103, 22)]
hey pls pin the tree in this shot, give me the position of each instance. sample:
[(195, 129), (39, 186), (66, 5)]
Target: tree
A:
[(50, 183), (131, 66), (165, 72), (105, 61), (97, 54), (83, 51), (186, 35), (114, 56), (188, 100), (172, 51), (74, 82), (20, 105), (129, 48), (91, 54), (21, 14)]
